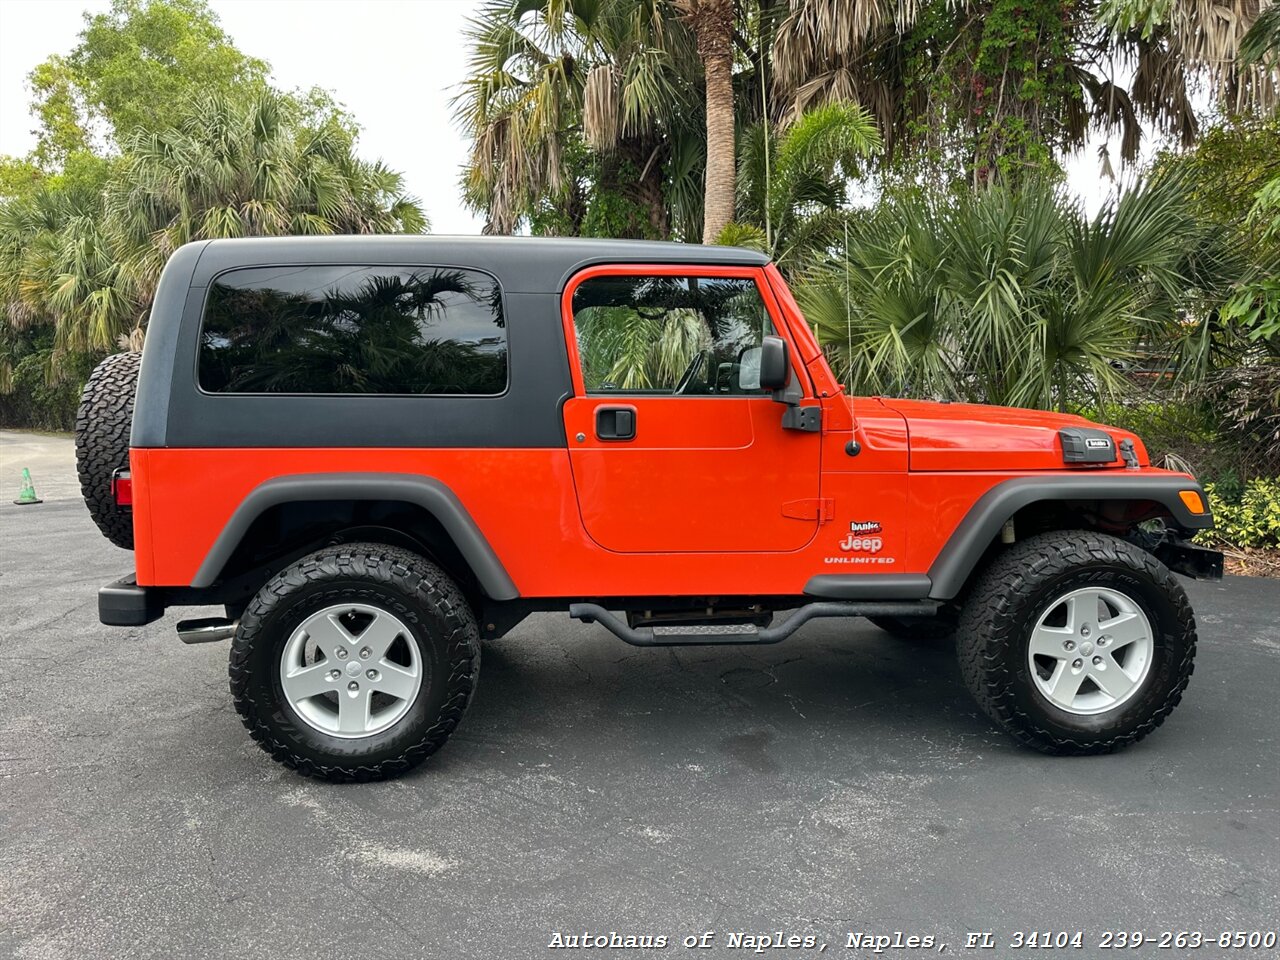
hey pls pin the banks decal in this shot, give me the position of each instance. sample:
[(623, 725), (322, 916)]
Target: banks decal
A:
[(858, 542)]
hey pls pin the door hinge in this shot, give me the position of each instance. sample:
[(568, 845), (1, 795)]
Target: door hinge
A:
[(808, 419), (813, 508)]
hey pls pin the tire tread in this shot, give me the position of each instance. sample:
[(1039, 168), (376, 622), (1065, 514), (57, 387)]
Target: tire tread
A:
[(988, 622), (392, 566), (104, 422)]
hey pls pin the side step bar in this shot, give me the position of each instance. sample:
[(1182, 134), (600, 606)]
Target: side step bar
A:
[(707, 634)]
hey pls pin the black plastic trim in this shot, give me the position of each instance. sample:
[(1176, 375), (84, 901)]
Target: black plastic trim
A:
[(122, 603), (616, 422), (982, 523), (173, 300), (1190, 560), (869, 586), (807, 419), (427, 492), (1087, 445)]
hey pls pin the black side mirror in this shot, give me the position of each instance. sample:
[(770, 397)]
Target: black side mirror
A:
[(775, 366)]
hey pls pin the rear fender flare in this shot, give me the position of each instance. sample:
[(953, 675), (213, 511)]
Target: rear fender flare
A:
[(980, 526), (427, 492)]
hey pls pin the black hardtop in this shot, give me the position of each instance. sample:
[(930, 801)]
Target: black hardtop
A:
[(171, 410), (521, 264)]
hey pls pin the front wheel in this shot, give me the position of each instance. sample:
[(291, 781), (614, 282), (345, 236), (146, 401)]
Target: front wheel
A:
[(1077, 642), (355, 663)]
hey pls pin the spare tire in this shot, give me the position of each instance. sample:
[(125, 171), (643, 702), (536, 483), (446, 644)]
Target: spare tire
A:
[(103, 424)]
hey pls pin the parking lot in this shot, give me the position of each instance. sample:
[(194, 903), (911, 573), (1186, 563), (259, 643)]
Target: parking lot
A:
[(839, 782)]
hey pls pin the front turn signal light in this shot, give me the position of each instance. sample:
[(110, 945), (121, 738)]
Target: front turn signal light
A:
[(1193, 500)]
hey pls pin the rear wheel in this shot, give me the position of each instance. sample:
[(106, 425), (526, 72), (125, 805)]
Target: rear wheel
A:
[(1077, 642), (355, 663), (104, 421)]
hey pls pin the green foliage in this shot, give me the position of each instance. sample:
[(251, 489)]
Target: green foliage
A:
[(1008, 296), (1262, 43), (611, 209), (1224, 173), (1020, 85), (746, 235), (1232, 180), (561, 98), (32, 394), (1247, 516), (63, 128), (971, 92), (792, 187), (132, 70), (197, 146), (85, 251), (18, 178)]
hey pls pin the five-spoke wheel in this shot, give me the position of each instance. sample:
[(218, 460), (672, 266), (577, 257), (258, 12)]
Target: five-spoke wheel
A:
[(1091, 650), (351, 670), (355, 663), (1076, 641)]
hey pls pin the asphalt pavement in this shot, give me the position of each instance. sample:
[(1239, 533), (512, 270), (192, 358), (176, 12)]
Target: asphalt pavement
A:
[(840, 783)]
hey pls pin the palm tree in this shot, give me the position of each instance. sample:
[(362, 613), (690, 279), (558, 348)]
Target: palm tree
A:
[(88, 261), (712, 24), (1005, 295), (57, 267), (245, 169), (1262, 43), (992, 89), (792, 185), (551, 82)]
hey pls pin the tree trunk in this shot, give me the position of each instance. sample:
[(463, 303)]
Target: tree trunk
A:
[(655, 201), (712, 21), (647, 154)]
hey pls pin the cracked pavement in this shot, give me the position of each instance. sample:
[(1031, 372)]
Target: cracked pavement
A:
[(838, 781)]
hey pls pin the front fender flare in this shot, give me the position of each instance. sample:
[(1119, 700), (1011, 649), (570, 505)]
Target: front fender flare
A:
[(980, 526), (427, 492)]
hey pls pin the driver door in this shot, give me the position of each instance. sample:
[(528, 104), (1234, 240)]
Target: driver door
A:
[(673, 446)]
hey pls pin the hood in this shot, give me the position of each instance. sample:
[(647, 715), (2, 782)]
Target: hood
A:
[(970, 436)]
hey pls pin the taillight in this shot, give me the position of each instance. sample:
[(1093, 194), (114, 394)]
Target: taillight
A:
[(122, 488)]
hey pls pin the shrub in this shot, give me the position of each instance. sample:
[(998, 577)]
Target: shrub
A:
[(1248, 517)]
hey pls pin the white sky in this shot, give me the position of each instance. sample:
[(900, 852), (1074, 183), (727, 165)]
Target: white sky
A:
[(393, 63)]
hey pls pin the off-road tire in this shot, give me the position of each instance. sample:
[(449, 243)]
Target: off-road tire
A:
[(421, 595), (1008, 600), (103, 423), (915, 629)]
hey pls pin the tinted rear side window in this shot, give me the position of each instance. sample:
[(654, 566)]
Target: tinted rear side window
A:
[(354, 329)]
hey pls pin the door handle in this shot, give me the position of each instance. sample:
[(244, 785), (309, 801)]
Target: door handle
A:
[(616, 423)]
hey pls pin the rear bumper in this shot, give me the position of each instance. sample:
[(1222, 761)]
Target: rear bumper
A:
[(122, 603)]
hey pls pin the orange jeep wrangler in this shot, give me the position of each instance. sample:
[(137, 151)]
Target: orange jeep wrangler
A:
[(375, 451)]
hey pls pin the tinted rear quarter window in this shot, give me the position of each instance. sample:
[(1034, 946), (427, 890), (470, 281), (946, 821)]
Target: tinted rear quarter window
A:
[(344, 329)]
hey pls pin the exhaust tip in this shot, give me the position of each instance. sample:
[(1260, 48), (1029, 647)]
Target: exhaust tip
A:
[(206, 630)]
